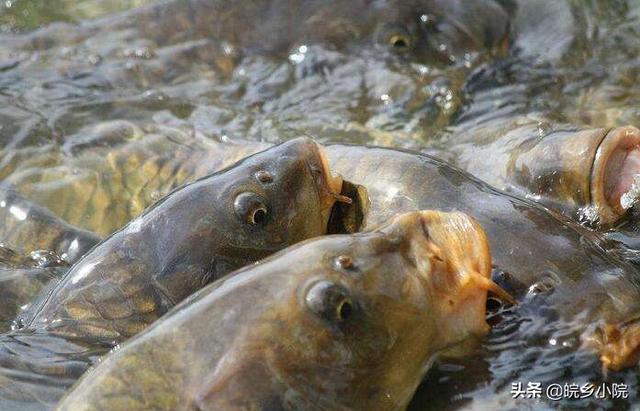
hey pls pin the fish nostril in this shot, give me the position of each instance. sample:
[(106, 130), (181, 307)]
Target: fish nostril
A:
[(344, 262), (264, 176)]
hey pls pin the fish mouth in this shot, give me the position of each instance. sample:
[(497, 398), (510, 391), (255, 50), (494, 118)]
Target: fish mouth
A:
[(339, 200), (453, 256), (616, 164)]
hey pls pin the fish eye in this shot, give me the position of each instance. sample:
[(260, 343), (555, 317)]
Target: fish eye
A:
[(251, 208), (399, 41), (330, 301)]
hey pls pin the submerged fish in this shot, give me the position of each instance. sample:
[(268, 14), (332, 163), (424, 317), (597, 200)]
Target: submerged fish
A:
[(419, 27), (19, 286), (107, 177), (27, 228), (36, 248), (341, 322)]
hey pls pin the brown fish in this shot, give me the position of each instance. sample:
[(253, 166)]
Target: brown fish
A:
[(341, 322), (113, 174), (529, 245), (36, 249), (585, 174), (560, 253), (27, 228), (19, 287), (193, 236), (420, 28)]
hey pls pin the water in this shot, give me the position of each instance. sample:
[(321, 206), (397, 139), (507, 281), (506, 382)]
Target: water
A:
[(25, 15), (61, 74)]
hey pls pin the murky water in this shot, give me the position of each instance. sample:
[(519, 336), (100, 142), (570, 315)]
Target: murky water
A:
[(66, 66)]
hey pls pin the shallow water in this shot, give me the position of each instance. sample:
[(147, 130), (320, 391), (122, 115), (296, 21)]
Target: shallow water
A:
[(61, 73)]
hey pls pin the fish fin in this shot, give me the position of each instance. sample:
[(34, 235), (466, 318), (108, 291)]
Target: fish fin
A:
[(619, 344), (238, 382)]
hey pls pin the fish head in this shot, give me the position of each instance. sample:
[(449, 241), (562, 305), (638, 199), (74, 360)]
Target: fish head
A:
[(281, 196), (589, 174), (358, 318), (441, 31)]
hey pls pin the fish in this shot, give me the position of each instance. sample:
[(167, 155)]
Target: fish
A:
[(193, 236), (190, 238), (555, 250), (144, 61), (113, 172), (341, 322), (36, 249), (586, 174), (418, 27), (19, 287), (26, 228), (537, 253)]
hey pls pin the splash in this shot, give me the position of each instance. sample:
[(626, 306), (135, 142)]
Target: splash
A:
[(588, 214), (630, 198)]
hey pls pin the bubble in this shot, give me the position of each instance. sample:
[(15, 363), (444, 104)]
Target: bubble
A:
[(228, 49), (94, 59), (544, 286), (139, 52), (299, 55), (17, 324), (422, 69)]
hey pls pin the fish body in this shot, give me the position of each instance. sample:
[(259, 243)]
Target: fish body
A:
[(192, 237), (27, 228), (584, 173), (341, 322)]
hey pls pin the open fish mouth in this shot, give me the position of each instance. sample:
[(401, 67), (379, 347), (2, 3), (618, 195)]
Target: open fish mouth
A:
[(332, 182), (613, 179), (342, 203)]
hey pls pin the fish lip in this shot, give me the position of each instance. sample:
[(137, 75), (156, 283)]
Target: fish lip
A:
[(328, 185), (458, 279), (606, 167)]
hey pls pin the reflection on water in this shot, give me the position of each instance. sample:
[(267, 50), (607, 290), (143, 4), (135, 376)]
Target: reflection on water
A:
[(60, 82)]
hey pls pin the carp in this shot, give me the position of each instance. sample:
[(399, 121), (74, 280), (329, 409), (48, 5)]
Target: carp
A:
[(342, 322)]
